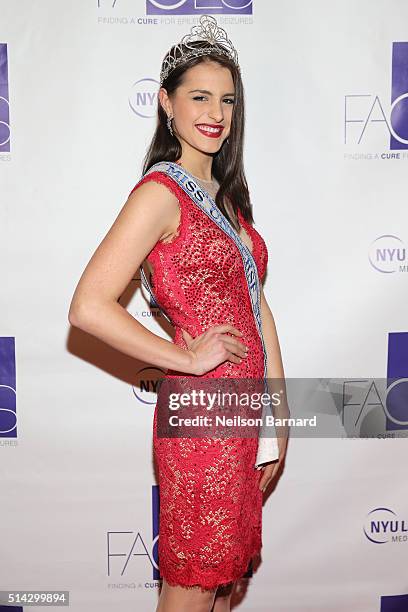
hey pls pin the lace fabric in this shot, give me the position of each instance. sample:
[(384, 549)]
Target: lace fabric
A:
[(210, 523)]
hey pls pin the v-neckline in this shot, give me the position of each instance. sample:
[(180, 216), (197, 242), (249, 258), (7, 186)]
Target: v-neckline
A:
[(250, 248)]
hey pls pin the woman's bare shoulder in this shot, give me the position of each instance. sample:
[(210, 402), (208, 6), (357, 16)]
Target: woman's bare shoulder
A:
[(154, 199), (153, 188)]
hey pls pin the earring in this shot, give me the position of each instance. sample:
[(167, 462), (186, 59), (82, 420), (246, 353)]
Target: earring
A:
[(169, 124)]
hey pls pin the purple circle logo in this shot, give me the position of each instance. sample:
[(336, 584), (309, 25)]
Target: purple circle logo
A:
[(143, 97), (382, 525), (146, 388), (387, 253)]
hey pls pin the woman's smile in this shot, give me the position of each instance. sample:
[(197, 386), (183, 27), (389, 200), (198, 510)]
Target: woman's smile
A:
[(211, 131)]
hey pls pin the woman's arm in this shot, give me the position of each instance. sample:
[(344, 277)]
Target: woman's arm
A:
[(274, 371), (147, 216), (275, 365)]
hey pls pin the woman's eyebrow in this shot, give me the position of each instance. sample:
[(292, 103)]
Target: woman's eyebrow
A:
[(205, 91)]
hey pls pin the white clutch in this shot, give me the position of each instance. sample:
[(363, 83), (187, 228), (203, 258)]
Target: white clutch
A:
[(268, 449)]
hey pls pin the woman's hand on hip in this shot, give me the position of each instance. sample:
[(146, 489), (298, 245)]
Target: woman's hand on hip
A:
[(215, 346)]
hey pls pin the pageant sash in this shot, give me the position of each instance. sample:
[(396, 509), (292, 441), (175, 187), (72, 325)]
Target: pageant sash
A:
[(267, 446)]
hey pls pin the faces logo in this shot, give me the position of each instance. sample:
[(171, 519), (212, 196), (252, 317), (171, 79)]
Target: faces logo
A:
[(8, 416), (123, 546), (394, 603), (379, 407), (364, 115), (198, 7), (396, 405), (4, 101)]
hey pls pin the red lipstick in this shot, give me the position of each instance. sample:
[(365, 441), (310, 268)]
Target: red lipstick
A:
[(210, 130)]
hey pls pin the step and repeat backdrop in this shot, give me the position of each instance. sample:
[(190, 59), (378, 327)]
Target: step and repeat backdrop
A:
[(326, 157)]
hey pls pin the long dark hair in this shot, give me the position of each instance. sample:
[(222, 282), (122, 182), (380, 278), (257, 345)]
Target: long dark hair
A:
[(227, 167)]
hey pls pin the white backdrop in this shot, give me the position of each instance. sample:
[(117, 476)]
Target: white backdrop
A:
[(328, 185)]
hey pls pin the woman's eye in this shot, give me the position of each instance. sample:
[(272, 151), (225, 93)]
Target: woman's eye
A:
[(228, 100)]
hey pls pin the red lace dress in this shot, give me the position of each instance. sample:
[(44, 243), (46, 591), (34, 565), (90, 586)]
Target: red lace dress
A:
[(210, 504)]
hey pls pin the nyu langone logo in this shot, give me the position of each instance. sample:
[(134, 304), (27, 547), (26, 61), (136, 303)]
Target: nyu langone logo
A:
[(143, 97), (148, 384), (382, 525), (8, 415), (364, 113), (388, 254), (372, 411), (126, 545), (4, 101), (198, 7)]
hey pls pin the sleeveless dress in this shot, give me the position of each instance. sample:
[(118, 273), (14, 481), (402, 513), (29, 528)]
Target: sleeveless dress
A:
[(210, 519)]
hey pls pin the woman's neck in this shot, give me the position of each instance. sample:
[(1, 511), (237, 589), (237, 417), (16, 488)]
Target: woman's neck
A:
[(197, 168)]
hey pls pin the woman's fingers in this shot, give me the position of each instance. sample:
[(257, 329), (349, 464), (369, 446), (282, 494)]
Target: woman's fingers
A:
[(226, 327), (235, 346), (217, 344), (233, 358), (268, 472)]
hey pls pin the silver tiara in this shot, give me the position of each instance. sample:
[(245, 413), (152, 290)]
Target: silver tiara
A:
[(208, 32)]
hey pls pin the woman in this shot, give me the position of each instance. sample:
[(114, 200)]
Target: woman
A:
[(210, 491)]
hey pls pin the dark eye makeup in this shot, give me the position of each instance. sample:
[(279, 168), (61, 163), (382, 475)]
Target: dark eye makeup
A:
[(228, 100)]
